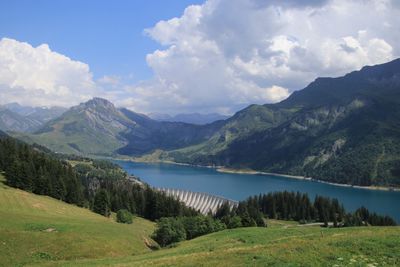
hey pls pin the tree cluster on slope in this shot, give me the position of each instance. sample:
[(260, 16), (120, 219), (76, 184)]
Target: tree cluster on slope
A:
[(103, 186), (31, 170)]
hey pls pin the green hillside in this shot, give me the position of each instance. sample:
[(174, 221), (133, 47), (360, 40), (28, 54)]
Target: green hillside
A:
[(36, 229), (41, 231), (282, 244)]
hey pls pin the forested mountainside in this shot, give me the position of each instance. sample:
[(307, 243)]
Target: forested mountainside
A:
[(344, 130)]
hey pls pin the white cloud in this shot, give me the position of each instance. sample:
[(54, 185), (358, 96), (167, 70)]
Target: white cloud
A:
[(226, 54), (219, 56), (38, 76)]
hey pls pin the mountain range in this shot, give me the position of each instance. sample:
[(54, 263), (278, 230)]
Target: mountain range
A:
[(15, 117), (344, 130), (97, 127)]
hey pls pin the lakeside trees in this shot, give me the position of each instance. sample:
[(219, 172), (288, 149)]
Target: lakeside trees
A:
[(298, 207)]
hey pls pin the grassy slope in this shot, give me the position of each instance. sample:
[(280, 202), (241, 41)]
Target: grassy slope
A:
[(78, 234), (82, 238), (282, 244)]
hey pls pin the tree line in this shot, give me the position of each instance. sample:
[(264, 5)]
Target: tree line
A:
[(298, 207)]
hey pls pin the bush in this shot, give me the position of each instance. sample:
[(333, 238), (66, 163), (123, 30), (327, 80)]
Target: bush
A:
[(234, 222), (124, 216), (201, 225), (169, 230)]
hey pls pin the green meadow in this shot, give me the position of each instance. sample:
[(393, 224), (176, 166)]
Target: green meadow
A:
[(41, 231), (37, 229)]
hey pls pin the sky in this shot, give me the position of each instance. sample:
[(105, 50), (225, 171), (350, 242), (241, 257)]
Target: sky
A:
[(181, 56)]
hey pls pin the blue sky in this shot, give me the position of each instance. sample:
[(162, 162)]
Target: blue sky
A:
[(107, 35), (180, 56)]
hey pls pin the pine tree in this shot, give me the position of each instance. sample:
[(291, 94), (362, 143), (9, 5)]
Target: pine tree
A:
[(101, 203)]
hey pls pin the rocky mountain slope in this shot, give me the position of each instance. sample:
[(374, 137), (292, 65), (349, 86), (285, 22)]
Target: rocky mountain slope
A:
[(97, 127)]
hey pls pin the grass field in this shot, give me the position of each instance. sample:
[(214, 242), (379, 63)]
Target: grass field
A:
[(279, 245), (40, 231), (36, 229)]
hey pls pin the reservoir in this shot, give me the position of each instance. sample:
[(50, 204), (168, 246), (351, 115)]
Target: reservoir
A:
[(241, 186)]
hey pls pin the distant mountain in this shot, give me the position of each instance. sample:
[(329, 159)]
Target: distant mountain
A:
[(11, 121), (3, 134), (193, 118), (344, 130), (14, 117), (94, 127), (44, 114), (98, 127)]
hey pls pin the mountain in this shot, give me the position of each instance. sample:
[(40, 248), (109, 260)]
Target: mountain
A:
[(11, 121), (14, 117), (19, 109), (45, 114), (94, 127), (149, 135), (97, 127), (2, 134), (344, 130), (193, 118)]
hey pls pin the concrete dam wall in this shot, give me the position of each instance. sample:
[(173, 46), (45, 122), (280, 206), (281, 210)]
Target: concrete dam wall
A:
[(199, 201)]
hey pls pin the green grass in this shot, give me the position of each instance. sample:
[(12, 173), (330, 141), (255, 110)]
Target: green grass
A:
[(280, 245), (40, 231), (37, 229)]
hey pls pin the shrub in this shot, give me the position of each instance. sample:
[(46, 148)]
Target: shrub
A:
[(124, 216), (169, 230)]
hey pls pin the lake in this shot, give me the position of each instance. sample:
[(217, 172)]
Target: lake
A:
[(240, 186)]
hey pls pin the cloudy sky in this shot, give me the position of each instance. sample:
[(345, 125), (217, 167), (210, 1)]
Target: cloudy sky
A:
[(186, 56)]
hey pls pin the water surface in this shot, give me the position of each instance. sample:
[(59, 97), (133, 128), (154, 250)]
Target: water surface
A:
[(240, 186)]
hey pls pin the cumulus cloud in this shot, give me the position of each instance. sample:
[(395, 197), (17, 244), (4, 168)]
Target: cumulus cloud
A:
[(223, 54), (38, 76), (219, 56)]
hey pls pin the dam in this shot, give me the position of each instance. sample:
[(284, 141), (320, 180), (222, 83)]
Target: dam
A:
[(202, 202)]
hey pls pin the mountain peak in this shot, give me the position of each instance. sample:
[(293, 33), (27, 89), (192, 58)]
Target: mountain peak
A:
[(326, 90), (96, 103)]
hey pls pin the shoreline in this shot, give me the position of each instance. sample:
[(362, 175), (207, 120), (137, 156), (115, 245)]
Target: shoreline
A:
[(223, 169), (253, 172)]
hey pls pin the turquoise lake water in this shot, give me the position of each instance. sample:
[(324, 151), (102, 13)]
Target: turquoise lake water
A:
[(240, 186)]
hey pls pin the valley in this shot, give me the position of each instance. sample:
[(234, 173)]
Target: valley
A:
[(337, 139)]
